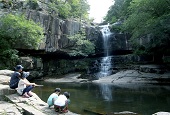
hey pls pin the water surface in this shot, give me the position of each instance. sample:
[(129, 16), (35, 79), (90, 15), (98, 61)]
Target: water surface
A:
[(102, 98)]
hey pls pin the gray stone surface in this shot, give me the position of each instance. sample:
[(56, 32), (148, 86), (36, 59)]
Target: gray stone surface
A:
[(33, 105), (7, 108), (67, 78), (162, 113), (134, 76)]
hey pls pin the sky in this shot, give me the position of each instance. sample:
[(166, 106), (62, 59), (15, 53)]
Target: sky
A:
[(99, 8)]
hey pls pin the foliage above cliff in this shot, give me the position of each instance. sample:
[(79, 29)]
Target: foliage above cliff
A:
[(118, 11), (81, 46), (16, 30), (64, 8), (144, 19)]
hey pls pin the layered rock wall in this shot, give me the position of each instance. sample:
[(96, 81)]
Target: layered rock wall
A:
[(56, 30)]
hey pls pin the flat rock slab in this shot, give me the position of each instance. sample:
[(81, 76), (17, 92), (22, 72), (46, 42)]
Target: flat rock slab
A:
[(162, 113), (6, 72), (9, 109), (33, 105), (5, 90), (67, 78), (132, 76)]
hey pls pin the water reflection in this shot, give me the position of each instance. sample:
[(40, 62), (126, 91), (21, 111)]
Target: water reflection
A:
[(102, 98), (106, 92)]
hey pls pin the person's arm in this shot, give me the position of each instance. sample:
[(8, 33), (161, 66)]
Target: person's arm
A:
[(27, 83), (66, 105), (26, 80), (53, 100)]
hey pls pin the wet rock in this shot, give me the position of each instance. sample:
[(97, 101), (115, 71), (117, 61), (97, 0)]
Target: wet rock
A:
[(125, 113), (134, 76), (162, 113), (74, 77), (152, 69)]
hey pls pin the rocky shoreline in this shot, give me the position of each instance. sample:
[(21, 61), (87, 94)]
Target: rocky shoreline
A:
[(12, 103), (146, 74)]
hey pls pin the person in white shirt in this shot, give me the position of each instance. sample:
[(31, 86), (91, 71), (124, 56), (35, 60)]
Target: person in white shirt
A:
[(53, 97), (24, 86), (61, 104)]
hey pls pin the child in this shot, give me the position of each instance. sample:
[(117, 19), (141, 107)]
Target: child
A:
[(53, 97), (61, 104), (24, 86)]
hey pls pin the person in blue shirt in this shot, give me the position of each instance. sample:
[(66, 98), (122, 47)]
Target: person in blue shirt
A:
[(15, 77), (53, 97)]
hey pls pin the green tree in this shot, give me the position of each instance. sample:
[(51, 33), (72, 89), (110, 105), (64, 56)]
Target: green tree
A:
[(79, 8), (80, 45), (69, 8), (149, 19), (16, 31), (118, 11)]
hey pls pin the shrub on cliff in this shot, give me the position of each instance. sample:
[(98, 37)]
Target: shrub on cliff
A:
[(80, 45)]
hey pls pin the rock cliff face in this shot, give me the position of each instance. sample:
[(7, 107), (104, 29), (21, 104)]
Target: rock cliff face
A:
[(56, 30)]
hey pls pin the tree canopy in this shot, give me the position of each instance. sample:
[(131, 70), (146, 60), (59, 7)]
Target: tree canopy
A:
[(144, 19), (68, 8), (16, 30), (117, 11)]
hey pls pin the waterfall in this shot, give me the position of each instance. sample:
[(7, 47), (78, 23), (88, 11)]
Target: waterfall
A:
[(105, 35), (105, 65)]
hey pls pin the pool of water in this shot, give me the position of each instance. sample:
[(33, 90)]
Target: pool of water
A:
[(87, 98)]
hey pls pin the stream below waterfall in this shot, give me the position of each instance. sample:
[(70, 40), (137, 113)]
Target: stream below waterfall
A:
[(103, 98)]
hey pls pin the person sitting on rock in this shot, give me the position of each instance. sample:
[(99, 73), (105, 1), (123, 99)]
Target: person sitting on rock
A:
[(61, 103), (24, 86), (15, 77), (53, 97)]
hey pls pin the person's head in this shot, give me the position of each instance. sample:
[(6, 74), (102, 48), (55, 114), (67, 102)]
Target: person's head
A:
[(24, 74), (57, 90), (19, 68), (67, 94)]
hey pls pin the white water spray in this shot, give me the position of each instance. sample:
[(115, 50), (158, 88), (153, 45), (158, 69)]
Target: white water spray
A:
[(106, 35), (105, 65)]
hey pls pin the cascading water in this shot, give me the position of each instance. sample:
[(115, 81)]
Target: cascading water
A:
[(105, 35), (105, 65)]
